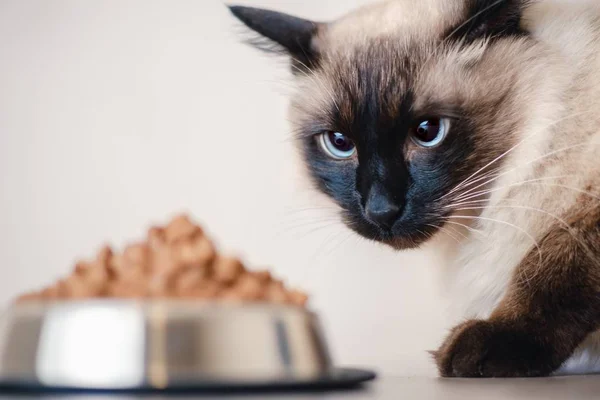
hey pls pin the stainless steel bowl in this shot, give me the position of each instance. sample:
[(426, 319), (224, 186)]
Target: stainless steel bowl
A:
[(113, 344)]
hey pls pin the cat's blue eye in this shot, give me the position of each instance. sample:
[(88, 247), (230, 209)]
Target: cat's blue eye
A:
[(430, 132), (337, 145)]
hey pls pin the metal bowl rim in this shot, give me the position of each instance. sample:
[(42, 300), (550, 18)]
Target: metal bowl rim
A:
[(183, 305)]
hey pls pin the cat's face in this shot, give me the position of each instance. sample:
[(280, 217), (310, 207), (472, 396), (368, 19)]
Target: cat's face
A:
[(399, 103)]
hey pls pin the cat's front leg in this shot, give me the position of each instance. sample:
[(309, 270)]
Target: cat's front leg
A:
[(481, 348), (552, 304)]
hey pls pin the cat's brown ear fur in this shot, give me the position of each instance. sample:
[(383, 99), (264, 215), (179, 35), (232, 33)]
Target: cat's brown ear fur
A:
[(291, 34)]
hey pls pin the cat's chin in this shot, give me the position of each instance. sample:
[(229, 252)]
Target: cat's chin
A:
[(404, 243), (399, 242), (406, 236)]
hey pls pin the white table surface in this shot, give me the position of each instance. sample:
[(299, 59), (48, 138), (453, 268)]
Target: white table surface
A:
[(577, 387)]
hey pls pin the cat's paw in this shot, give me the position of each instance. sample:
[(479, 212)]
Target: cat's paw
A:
[(479, 348)]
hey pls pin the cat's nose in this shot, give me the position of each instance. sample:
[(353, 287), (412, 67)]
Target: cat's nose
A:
[(380, 208)]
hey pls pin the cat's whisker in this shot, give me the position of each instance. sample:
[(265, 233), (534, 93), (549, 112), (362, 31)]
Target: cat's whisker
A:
[(311, 209), (584, 192), (531, 162), (427, 235), (455, 230), (470, 229), (340, 243), (307, 213), (303, 222), (466, 192), (283, 81), (510, 150), (562, 221), (446, 231), (320, 228), (488, 191), (323, 244), (538, 181), (482, 177), (286, 86), (328, 241), (424, 234), (567, 227), (452, 205), (468, 184), (478, 201), (497, 221), (298, 229), (293, 226), (523, 231), (296, 218)]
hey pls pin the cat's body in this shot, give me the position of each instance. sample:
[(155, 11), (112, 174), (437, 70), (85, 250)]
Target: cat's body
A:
[(481, 270), (511, 192)]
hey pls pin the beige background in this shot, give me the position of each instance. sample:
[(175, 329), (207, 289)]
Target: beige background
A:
[(115, 114)]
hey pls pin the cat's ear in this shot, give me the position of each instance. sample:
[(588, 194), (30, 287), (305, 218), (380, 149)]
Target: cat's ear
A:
[(295, 36), (491, 18)]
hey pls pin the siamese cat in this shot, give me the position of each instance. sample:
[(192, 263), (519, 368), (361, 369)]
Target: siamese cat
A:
[(473, 125)]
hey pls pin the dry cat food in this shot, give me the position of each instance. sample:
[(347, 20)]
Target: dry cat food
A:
[(176, 261)]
